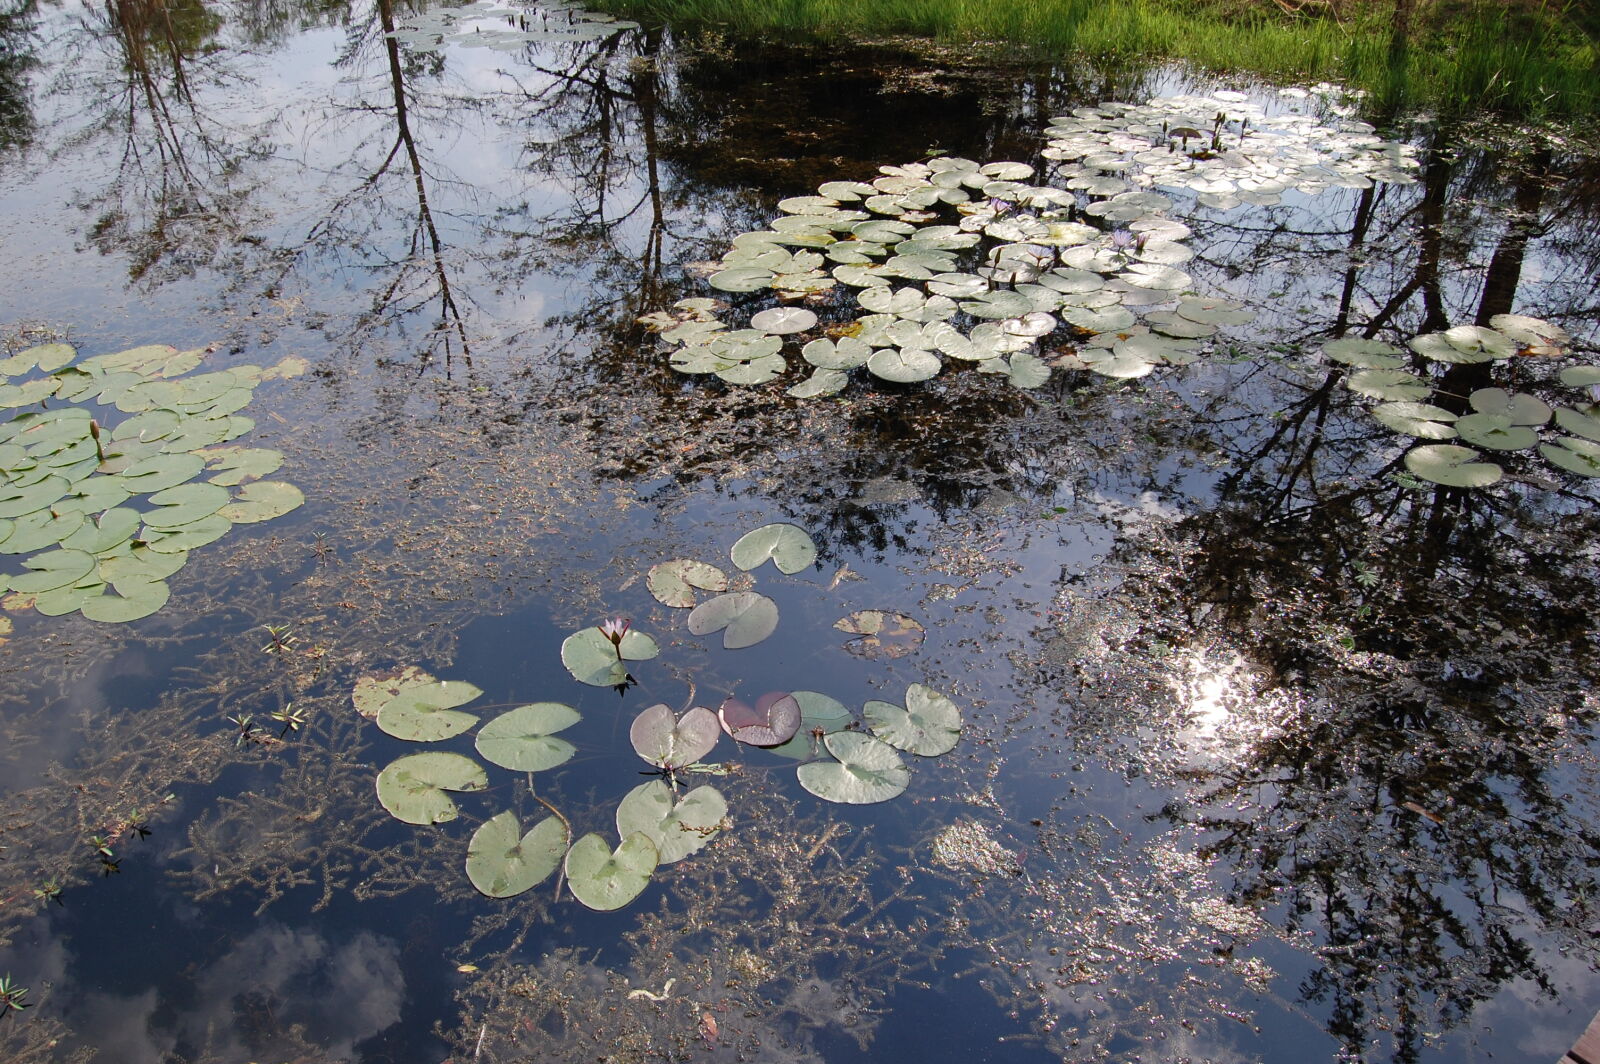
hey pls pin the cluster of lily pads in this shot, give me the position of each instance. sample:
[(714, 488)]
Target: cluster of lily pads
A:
[(950, 260), (507, 29), (842, 758), (1499, 420), (99, 508)]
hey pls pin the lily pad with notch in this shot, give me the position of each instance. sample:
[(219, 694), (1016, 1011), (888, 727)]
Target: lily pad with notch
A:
[(772, 721), (866, 770), (592, 658), (426, 713), (929, 724), (744, 618), (787, 546), (1452, 465), (523, 739), (677, 829), (414, 788), (669, 742), (605, 879), (673, 583), (818, 713), (502, 862)]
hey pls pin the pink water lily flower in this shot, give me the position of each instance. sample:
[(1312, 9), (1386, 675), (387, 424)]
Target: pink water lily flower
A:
[(615, 629)]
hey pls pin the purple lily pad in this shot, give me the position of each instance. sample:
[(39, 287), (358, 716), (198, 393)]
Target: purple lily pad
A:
[(772, 721)]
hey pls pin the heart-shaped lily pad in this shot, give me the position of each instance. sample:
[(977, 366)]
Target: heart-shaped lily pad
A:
[(1495, 432), (413, 788), (262, 500), (606, 879), (371, 692), (132, 601), (1574, 455), (665, 741), (426, 713), (677, 829), (867, 770), (1422, 420), (502, 862), (929, 724), (672, 582), (592, 658), (523, 739), (788, 546), (1451, 465), (744, 618), (772, 721)]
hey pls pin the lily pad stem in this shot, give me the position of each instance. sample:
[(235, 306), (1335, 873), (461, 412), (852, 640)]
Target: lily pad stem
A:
[(561, 871)]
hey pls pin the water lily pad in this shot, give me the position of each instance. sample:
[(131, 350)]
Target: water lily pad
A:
[(780, 321), (1422, 420), (882, 634), (186, 503), (1392, 384), (1529, 332), (1574, 455), (52, 569), (1363, 354), (866, 770), (818, 713), (188, 537), (47, 358), (741, 279), (758, 370), (373, 690), (523, 739), (668, 742), (928, 725), (40, 529), (1451, 465), (262, 500), (744, 618), (426, 713), (847, 352), (1215, 312), (235, 465), (906, 365), (822, 382), (677, 829), (604, 879), (19, 500), (1580, 376), (1574, 421), (140, 565), (413, 788), (772, 721), (133, 600), (1518, 408), (592, 658), (673, 583), (113, 527), (1495, 432), (788, 546), (502, 862)]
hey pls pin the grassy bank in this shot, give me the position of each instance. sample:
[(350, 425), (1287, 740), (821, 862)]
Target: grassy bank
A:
[(1518, 57)]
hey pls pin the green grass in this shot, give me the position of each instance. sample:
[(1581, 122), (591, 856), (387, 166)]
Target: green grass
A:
[(1517, 57)]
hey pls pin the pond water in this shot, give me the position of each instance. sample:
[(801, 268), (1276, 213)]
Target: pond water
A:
[(1271, 748)]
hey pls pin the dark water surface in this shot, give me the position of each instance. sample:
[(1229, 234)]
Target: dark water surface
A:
[(1269, 755)]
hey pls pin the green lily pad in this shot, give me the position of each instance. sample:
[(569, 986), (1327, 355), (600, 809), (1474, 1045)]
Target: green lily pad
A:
[(1364, 354), (188, 537), (26, 394), (904, 365), (1530, 332), (677, 829), (262, 500), (413, 788), (70, 599), (235, 465), (373, 690), (821, 383), (1451, 465), (133, 600), (1215, 312), (744, 618), (523, 739), (1518, 408), (1495, 432), (1578, 423), (928, 725), (114, 526), (847, 352), (175, 507), (788, 546), (1574, 455), (1391, 384), (1580, 376), (18, 501), (740, 279), (1422, 420), (1027, 370), (426, 713), (759, 370), (673, 583), (867, 770), (47, 358), (140, 565), (52, 569), (817, 711), (780, 321), (604, 879), (592, 658), (160, 471), (502, 862), (40, 529)]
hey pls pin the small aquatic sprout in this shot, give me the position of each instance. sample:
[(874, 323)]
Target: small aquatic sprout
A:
[(246, 723), (101, 845), (615, 629), (137, 825), (289, 717), (321, 548), (279, 641), (11, 995), (51, 891)]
